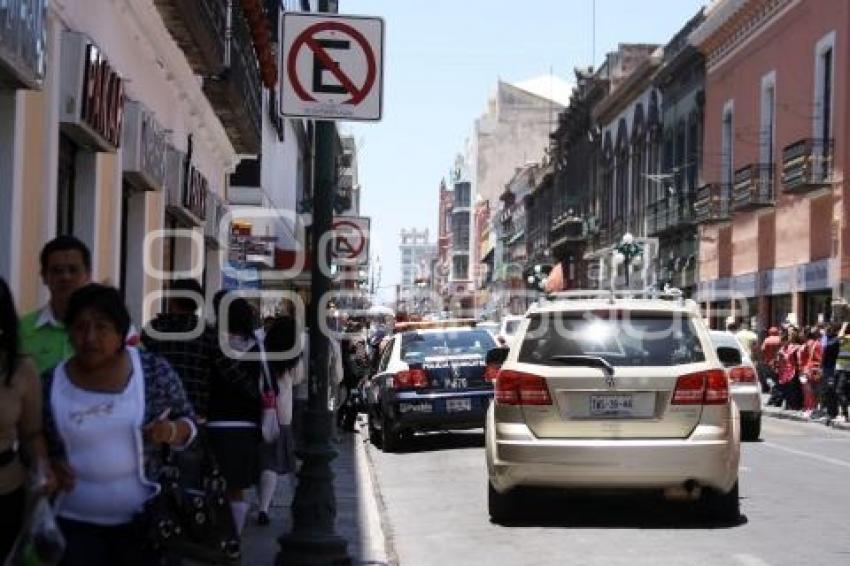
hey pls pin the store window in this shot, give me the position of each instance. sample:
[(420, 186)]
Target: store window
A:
[(817, 307), (780, 308)]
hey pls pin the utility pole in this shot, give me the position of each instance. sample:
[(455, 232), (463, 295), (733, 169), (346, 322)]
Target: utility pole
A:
[(313, 539)]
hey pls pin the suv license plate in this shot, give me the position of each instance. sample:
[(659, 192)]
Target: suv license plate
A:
[(458, 405), (611, 405)]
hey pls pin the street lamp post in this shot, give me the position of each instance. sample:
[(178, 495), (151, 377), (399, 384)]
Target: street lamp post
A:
[(313, 538), (628, 251)]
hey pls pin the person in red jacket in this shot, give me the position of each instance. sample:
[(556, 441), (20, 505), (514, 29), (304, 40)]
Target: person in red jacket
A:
[(769, 351), (811, 357)]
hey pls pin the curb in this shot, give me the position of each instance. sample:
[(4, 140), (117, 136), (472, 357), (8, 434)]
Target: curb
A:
[(385, 527), (380, 542), (797, 416)]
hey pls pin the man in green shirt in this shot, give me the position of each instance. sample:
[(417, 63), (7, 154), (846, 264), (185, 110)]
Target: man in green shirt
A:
[(65, 267)]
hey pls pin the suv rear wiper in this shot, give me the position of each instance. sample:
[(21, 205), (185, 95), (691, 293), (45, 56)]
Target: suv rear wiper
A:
[(588, 361)]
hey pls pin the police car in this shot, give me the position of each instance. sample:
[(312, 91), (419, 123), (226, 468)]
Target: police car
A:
[(431, 376)]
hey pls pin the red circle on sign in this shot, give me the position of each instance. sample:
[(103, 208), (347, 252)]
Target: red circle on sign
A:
[(306, 38), (356, 229)]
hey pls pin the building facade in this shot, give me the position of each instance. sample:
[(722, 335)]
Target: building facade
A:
[(773, 206), (127, 142), (681, 85), (417, 253)]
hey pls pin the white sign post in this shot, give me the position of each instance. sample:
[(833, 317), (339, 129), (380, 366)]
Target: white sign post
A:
[(332, 66)]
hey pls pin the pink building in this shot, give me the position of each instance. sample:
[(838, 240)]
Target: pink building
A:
[(773, 239)]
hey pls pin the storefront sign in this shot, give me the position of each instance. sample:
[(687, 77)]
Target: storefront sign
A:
[(143, 148), (195, 193), (92, 96), (23, 43)]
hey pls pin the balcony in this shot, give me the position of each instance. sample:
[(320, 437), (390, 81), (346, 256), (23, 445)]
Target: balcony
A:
[(567, 228), (22, 43), (712, 203), (198, 27), (753, 187), (807, 165), (235, 94), (680, 212)]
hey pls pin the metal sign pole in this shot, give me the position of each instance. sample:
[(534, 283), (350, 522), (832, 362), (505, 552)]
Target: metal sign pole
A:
[(313, 539)]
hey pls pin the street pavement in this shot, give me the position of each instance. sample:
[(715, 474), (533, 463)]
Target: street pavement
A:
[(358, 519), (795, 490)]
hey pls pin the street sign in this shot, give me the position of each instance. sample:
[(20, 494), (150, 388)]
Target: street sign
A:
[(332, 66), (350, 245)]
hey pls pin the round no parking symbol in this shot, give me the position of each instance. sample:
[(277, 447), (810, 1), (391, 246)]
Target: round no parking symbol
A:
[(333, 66)]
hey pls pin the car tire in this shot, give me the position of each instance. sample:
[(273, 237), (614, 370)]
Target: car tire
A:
[(502, 507), (751, 428), (390, 438), (722, 507)]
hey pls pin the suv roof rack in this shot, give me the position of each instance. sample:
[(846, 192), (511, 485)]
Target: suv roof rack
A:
[(668, 293)]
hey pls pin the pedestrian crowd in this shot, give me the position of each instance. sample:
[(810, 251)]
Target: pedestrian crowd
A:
[(805, 369), (140, 442)]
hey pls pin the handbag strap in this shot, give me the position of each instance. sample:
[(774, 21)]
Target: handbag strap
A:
[(264, 364)]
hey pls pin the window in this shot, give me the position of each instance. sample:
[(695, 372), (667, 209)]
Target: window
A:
[(824, 69), (460, 267), (727, 161), (621, 338), (460, 230), (694, 142), (463, 193), (768, 118), (432, 344)]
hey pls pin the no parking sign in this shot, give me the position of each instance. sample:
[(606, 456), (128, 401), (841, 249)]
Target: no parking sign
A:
[(332, 66)]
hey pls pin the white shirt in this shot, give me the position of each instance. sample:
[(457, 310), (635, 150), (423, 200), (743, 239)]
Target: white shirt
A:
[(102, 433)]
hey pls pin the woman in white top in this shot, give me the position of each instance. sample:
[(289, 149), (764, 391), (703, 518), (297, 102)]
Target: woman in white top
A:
[(107, 412), (278, 457)]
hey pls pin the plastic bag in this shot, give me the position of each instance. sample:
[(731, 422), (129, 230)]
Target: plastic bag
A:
[(269, 424), (40, 543)]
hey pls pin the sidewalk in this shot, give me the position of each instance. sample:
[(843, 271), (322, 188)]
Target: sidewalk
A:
[(358, 519), (799, 416)]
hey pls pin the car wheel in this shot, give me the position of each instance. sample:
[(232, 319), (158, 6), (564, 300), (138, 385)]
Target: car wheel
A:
[(502, 507), (723, 507), (751, 428), (390, 438)]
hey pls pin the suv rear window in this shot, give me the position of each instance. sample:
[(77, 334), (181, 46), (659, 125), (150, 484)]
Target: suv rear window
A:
[(622, 338), (430, 344)]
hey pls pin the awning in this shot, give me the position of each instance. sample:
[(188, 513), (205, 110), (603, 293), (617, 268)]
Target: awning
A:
[(489, 256)]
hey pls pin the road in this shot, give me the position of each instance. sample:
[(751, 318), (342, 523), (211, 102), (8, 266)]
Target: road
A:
[(795, 489)]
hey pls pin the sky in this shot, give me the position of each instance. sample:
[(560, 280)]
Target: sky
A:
[(443, 59)]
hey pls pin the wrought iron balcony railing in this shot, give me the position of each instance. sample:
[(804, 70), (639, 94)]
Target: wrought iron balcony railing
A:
[(807, 164), (753, 187), (712, 203)]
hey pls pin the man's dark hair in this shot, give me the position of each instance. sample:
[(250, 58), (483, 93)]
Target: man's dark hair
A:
[(102, 299), (282, 336), (241, 316), (63, 244), (182, 302)]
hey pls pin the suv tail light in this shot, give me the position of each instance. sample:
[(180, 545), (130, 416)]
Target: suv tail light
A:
[(411, 378), (703, 388), (519, 388), (743, 374), (491, 372)]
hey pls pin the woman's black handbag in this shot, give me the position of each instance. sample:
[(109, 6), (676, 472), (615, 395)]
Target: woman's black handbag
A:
[(191, 518)]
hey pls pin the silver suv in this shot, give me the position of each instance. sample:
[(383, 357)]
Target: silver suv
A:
[(613, 390)]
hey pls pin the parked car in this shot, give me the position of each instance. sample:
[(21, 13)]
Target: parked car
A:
[(430, 377), (743, 382), (615, 391)]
